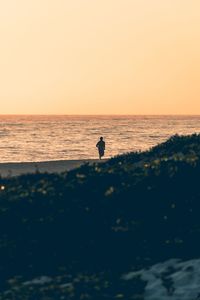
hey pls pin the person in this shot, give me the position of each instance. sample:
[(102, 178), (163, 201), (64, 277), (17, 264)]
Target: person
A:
[(101, 147)]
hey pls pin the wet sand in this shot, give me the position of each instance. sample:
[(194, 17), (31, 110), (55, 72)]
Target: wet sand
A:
[(16, 169)]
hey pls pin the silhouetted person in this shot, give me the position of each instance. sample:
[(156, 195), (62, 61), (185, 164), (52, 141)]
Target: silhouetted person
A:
[(101, 147)]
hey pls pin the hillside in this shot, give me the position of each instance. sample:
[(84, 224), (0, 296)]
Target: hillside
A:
[(74, 235)]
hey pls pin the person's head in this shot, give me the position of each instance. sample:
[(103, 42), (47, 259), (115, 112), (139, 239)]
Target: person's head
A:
[(101, 138)]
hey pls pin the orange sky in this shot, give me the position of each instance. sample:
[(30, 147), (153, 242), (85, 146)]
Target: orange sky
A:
[(100, 57)]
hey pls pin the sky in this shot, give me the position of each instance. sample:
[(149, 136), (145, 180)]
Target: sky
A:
[(100, 57)]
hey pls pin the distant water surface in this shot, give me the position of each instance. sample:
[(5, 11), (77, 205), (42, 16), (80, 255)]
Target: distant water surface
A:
[(42, 138)]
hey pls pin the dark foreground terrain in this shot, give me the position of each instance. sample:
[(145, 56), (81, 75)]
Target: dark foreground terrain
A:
[(107, 231)]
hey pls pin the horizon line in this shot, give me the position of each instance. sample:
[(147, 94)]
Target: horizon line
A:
[(96, 115)]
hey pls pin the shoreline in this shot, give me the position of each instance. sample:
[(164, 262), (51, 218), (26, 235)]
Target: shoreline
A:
[(11, 169)]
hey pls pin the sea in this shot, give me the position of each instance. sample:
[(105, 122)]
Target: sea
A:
[(27, 138)]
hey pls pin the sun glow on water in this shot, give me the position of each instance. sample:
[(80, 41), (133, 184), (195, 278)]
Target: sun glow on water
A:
[(43, 138)]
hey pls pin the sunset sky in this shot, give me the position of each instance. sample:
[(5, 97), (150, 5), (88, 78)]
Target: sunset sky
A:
[(100, 57)]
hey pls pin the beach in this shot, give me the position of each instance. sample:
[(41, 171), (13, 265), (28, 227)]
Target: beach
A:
[(57, 166)]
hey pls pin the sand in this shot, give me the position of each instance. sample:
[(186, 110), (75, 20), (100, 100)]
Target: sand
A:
[(16, 169)]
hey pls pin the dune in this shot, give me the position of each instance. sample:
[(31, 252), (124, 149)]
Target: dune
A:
[(126, 230), (19, 168)]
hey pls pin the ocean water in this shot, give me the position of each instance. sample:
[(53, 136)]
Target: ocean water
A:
[(43, 138)]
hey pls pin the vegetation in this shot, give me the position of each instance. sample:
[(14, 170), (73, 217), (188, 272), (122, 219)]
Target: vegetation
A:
[(72, 236)]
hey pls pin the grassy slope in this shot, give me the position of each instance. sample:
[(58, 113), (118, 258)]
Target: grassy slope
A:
[(105, 219)]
